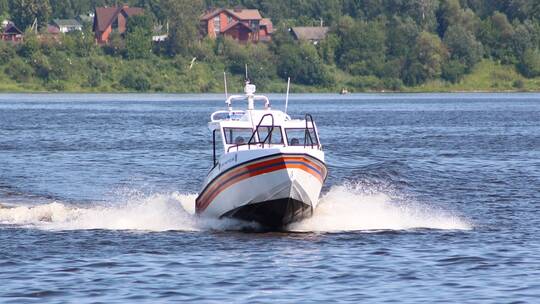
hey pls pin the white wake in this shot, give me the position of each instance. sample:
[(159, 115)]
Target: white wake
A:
[(343, 208), (159, 212), (355, 208)]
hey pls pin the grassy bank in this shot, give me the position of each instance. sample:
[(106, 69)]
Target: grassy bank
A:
[(487, 76), (173, 75)]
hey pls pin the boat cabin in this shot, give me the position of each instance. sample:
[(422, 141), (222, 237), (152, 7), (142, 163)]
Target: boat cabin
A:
[(251, 129)]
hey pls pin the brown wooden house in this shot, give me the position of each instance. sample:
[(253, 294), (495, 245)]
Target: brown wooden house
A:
[(244, 25), (108, 20), (12, 33)]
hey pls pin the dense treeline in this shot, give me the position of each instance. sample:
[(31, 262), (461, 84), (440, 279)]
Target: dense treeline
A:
[(372, 44)]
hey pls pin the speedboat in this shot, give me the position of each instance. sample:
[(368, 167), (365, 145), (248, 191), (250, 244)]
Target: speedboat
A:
[(267, 167)]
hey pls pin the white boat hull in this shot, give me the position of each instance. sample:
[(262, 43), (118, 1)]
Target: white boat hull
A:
[(273, 190)]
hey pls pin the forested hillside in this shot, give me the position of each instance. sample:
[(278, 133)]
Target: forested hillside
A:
[(372, 45)]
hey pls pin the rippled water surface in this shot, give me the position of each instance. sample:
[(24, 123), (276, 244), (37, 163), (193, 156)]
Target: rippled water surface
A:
[(429, 198)]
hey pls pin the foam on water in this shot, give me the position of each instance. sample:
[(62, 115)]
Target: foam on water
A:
[(355, 208), (343, 208), (159, 212)]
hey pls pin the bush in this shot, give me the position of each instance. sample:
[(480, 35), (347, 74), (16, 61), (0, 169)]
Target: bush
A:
[(519, 84), (366, 82), (140, 83), (95, 78), (453, 71), (29, 46), (394, 84), (302, 63), (19, 70), (260, 61), (7, 52), (204, 50), (116, 46), (41, 65), (530, 63), (100, 64)]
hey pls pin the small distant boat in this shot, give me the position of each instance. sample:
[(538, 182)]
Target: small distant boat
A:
[(344, 91), (267, 167)]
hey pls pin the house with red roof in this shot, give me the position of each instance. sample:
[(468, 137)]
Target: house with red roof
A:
[(244, 25), (108, 20)]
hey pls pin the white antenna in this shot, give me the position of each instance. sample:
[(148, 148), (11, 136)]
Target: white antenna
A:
[(287, 96), (246, 73), (225, 81)]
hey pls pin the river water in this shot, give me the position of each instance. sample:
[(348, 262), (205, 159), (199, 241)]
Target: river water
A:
[(430, 197)]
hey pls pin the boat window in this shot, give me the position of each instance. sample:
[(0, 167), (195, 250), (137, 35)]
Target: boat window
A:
[(237, 136), (277, 138), (299, 137), (217, 143)]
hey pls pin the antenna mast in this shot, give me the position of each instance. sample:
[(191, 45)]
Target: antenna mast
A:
[(225, 81), (287, 96)]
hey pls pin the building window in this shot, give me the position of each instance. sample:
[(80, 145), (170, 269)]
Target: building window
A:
[(229, 19), (217, 25)]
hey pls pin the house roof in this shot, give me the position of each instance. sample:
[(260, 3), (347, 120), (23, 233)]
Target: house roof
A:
[(310, 32), (133, 11), (105, 15), (53, 29), (241, 14), (268, 23), (12, 29), (236, 23), (66, 22)]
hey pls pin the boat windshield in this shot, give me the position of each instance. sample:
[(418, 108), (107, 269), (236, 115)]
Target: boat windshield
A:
[(276, 138), (301, 137), (237, 136)]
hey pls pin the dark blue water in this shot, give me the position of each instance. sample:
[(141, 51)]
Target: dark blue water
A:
[(429, 198)]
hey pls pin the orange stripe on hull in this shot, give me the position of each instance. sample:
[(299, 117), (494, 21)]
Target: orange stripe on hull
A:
[(248, 171)]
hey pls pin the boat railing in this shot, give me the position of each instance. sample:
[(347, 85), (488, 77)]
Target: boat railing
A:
[(310, 140), (307, 136), (253, 139), (248, 98)]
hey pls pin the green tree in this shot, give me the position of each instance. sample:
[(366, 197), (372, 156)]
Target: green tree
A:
[(362, 49), (80, 43), (302, 63), (400, 33), (4, 9), (25, 12), (426, 61), (29, 46), (139, 37), (327, 48), (530, 63), (526, 36), (183, 18), (19, 70), (463, 45), (497, 34), (260, 61), (451, 13), (62, 9)]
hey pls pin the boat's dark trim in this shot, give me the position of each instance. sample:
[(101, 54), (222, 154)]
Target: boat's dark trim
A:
[(274, 214)]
